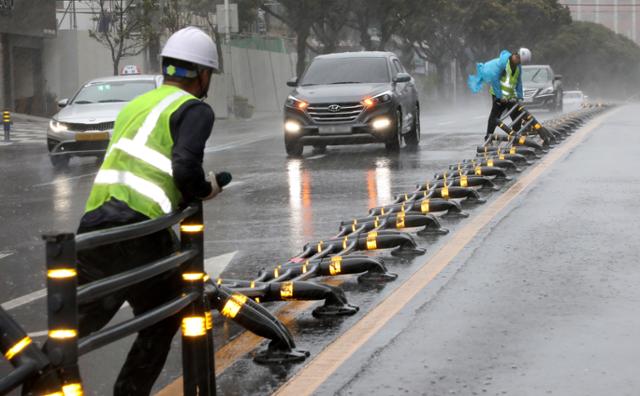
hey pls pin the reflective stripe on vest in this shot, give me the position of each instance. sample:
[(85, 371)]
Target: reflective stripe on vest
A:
[(137, 147), (140, 185)]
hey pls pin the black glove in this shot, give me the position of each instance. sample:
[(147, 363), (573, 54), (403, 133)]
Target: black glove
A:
[(502, 101)]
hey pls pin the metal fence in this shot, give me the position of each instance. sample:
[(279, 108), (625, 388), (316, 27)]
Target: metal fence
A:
[(54, 370)]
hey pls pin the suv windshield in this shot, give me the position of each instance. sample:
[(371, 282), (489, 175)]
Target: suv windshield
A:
[(346, 71), (113, 91), (535, 75)]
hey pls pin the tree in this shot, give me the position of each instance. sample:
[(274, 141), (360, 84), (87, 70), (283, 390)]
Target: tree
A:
[(383, 16), (593, 58), (119, 27), (329, 24), (298, 15)]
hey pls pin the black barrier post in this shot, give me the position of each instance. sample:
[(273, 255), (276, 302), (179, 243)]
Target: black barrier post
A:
[(62, 311), (6, 122), (197, 326)]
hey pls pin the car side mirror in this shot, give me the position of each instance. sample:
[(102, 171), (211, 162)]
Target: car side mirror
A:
[(402, 78), (293, 82), (63, 103)]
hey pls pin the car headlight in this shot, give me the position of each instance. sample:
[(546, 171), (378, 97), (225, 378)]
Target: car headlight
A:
[(547, 91), (57, 126), (296, 103), (381, 123), (373, 101), (292, 126)]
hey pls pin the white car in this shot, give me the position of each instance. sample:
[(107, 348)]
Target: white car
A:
[(85, 122), (574, 98)]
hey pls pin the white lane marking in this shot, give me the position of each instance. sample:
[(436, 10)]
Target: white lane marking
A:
[(446, 123), (26, 299), (5, 254), (56, 181), (314, 157), (237, 143), (478, 117), (213, 265), (232, 184), (36, 334)]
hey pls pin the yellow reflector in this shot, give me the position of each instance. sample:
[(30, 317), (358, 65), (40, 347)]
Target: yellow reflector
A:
[(489, 163), (512, 150), (501, 156), (445, 192), (424, 206), (522, 139), (192, 276), (344, 242), (538, 126), (304, 268), (192, 228), (208, 320), (402, 209), (252, 284), (406, 197), (17, 348), (219, 281), (372, 244), (257, 300), (400, 220), (62, 334), (193, 326), (464, 181), (376, 222), (61, 273), (286, 290), (206, 277), (233, 305), (72, 389), (478, 171), (335, 267), (353, 228), (382, 211), (276, 273), (319, 246)]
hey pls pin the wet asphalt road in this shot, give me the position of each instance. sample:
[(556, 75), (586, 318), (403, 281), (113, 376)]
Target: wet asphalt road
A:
[(274, 206)]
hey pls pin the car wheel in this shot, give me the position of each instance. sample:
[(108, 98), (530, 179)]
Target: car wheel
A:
[(293, 147), (395, 142), (59, 161), (413, 137)]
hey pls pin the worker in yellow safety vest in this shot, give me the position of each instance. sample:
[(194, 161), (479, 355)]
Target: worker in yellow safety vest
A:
[(152, 167)]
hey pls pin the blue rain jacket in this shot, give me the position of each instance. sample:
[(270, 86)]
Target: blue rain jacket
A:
[(490, 73)]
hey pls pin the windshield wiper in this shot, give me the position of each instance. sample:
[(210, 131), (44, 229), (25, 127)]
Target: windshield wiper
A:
[(345, 82), (111, 100), (82, 102)]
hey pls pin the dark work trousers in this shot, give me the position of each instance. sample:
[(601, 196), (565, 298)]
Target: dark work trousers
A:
[(496, 112), (151, 347)]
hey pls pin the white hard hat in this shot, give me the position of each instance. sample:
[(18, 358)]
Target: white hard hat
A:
[(192, 45), (525, 55)]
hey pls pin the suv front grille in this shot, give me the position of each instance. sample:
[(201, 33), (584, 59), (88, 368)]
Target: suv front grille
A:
[(326, 113), (103, 126)]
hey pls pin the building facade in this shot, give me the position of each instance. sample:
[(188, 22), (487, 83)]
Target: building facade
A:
[(621, 16)]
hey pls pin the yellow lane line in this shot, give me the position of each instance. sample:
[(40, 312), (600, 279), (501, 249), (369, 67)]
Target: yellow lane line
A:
[(318, 370)]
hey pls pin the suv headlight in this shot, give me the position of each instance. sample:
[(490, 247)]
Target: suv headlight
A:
[(546, 91), (377, 99), (57, 126), (296, 103)]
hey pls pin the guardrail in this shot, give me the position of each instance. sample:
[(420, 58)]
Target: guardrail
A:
[(54, 370)]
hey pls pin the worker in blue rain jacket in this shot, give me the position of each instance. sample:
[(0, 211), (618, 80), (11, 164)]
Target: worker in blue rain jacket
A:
[(503, 75)]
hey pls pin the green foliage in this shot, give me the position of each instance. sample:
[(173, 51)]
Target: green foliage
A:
[(594, 58)]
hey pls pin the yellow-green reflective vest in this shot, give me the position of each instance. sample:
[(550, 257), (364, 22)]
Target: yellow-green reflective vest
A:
[(137, 166), (508, 82)]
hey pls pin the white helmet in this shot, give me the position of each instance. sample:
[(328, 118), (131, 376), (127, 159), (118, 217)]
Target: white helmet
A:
[(192, 45), (525, 55)]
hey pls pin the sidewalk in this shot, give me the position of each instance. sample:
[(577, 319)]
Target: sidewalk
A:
[(543, 302)]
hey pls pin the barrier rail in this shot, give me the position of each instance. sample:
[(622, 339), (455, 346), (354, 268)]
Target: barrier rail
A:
[(54, 370), (387, 227)]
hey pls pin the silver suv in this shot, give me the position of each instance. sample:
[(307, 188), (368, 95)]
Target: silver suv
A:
[(85, 122)]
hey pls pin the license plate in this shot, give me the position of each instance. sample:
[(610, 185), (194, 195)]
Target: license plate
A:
[(90, 136), (334, 129)]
